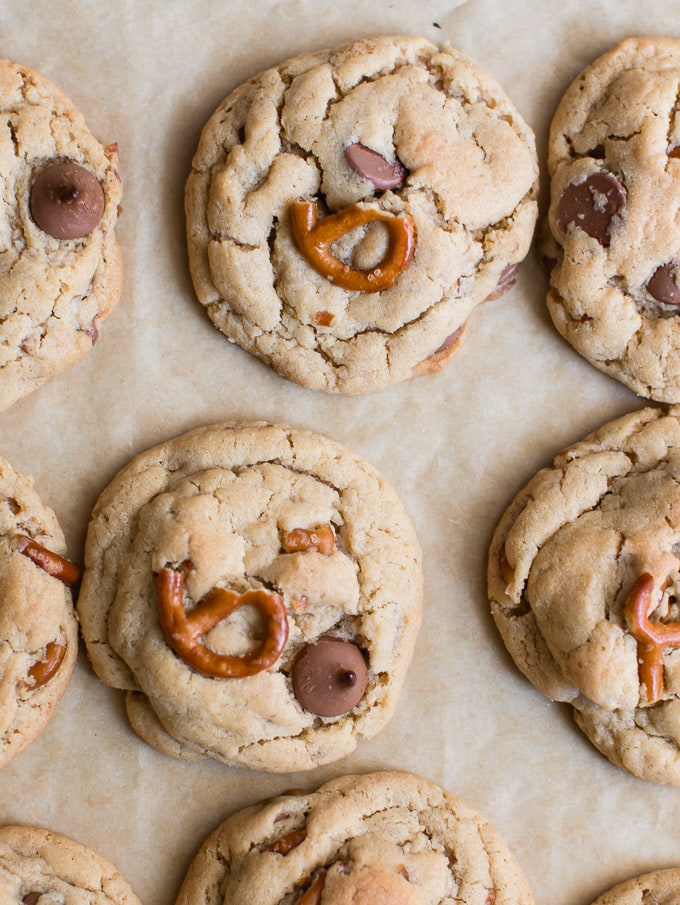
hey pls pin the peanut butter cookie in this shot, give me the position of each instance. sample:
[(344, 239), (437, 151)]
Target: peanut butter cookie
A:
[(38, 867), (348, 209), (661, 887), (60, 264), (584, 581), (256, 590), (378, 839), (614, 165), (38, 629)]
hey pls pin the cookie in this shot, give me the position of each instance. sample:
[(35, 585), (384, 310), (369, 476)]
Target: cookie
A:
[(256, 590), (348, 209), (38, 867), (60, 263), (584, 582), (660, 887), (38, 628), (614, 166), (378, 838)]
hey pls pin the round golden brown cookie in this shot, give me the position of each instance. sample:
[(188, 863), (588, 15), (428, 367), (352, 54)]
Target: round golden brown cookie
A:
[(38, 867), (388, 838), (614, 243), (60, 264), (348, 209), (660, 887), (584, 582), (257, 591), (38, 628)]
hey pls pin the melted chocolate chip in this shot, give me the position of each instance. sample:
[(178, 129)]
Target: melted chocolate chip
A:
[(506, 281), (662, 285), (329, 676), (373, 166), (67, 201), (31, 898), (591, 205)]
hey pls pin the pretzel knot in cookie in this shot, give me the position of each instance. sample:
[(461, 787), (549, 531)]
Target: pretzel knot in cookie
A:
[(314, 239), (652, 637), (184, 631)]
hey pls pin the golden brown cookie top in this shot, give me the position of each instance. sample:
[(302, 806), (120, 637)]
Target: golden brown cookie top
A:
[(584, 582), (373, 839), (38, 629), (38, 867), (348, 209), (614, 165), (258, 590), (60, 264)]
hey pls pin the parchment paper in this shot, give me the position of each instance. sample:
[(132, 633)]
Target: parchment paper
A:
[(457, 446)]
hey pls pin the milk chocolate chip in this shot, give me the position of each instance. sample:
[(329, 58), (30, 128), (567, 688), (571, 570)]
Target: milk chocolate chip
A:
[(67, 201), (373, 166), (662, 285), (31, 898), (329, 676), (506, 281), (591, 205)]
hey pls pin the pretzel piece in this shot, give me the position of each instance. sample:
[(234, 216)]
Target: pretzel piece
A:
[(652, 637), (314, 238), (312, 896), (41, 672), (184, 631), (321, 539), (50, 562)]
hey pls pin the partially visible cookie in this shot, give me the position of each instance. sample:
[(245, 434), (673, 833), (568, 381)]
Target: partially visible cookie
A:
[(38, 628), (584, 583), (38, 867), (349, 208), (389, 838), (614, 245), (257, 591), (60, 263), (658, 887)]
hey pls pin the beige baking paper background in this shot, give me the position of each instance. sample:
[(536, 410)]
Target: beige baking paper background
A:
[(457, 446)]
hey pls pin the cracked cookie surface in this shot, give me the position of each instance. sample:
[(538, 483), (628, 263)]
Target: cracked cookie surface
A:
[(388, 125), (373, 839), (584, 573), (53, 291), (660, 887), (38, 629), (208, 517), (614, 166), (38, 867)]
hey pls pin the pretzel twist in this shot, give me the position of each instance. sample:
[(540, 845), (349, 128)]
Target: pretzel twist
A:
[(652, 637), (184, 631), (314, 238)]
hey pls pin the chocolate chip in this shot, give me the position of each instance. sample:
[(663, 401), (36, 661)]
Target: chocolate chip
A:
[(591, 205), (506, 281), (329, 676), (373, 166), (662, 285), (67, 201), (31, 898)]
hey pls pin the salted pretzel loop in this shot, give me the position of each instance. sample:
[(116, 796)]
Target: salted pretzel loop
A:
[(652, 637), (314, 238), (184, 631), (50, 562)]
